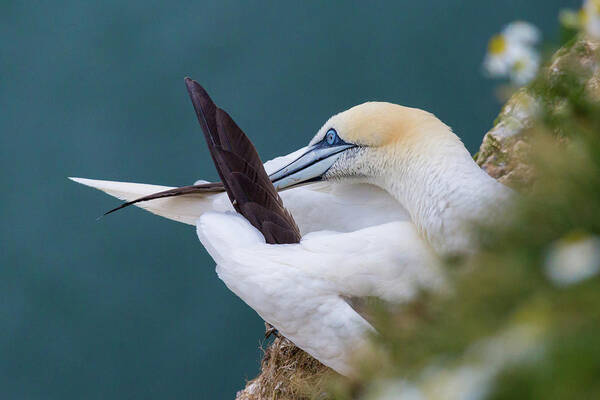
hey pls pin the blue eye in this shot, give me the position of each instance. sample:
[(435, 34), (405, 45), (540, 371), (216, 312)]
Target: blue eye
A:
[(331, 136)]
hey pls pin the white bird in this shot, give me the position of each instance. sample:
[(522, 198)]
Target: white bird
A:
[(385, 190)]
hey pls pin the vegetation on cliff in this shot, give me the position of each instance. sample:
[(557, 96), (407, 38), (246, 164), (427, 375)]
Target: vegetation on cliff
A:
[(522, 318)]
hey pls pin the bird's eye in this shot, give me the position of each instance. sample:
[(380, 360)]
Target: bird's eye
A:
[(331, 136)]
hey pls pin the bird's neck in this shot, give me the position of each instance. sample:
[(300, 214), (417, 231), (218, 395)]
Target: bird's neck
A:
[(443, 191)]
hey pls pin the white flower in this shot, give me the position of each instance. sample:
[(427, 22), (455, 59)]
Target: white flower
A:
[(501, 55), (525, 68), (590, 17), (522, 32), (572, 259), (512, 53)]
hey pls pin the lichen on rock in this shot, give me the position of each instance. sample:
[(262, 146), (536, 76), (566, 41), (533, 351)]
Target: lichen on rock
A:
[(505, 146), (504, 151)]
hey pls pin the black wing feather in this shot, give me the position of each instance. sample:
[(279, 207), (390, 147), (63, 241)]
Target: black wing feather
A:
[(241, 170), (211, 187)]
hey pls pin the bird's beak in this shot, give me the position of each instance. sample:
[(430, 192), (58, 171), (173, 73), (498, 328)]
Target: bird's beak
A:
[(309, 167)]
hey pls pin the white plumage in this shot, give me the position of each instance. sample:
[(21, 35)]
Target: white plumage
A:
[(373, 227)]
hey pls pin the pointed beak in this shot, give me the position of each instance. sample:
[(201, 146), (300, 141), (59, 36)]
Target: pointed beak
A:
[(310, 166)]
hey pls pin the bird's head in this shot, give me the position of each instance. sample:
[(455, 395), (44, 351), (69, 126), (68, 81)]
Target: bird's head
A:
[(368, 142)]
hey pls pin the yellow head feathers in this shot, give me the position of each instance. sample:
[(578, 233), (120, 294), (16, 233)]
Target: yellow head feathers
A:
[(378, 124)]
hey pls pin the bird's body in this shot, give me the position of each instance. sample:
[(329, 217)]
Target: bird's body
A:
[(396, 189)]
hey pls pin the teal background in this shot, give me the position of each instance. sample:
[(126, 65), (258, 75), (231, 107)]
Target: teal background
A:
[(129, 307)]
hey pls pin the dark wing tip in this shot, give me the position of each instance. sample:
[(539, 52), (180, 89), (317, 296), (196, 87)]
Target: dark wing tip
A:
[(191, 84), (129, 203), (205, 109), (241, 170), (197, 93), (210, 187)]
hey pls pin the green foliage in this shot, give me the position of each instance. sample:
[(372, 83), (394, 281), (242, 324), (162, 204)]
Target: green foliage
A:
[(506, 285)]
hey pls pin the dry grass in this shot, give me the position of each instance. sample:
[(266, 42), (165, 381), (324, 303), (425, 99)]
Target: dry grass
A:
[(287, 373)]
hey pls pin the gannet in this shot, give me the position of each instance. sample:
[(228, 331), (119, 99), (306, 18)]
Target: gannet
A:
[(378, 194)]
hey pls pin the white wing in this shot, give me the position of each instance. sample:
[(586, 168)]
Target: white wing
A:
[(299, 288), (320, 206), (185, 209), (341, 207)]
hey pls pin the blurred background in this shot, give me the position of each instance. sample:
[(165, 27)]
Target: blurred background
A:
[(130, 306)]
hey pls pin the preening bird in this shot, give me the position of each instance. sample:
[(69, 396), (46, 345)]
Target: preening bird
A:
[(378, 194)]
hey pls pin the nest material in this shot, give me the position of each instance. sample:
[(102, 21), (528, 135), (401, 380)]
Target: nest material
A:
[(287, 373)]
